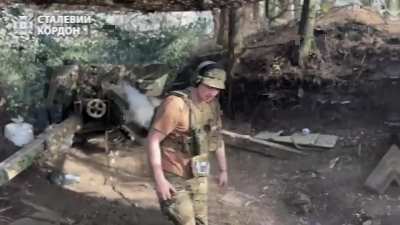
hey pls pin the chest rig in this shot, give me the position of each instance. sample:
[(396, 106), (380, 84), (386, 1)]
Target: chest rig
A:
[(203, 124), (203, 130)]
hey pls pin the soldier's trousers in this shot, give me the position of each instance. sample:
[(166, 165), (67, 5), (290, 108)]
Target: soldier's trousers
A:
[(189, 205)]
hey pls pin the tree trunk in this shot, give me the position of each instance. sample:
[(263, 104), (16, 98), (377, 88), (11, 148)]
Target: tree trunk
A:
[(216, 14), (241, 25), (267, 9), (297, 9), (247, 19), (306, 29), (304, 16), (223, 31), (258, 16), (235, 45)]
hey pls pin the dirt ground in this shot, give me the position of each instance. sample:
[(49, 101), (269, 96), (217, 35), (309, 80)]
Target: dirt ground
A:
[(324, 187)]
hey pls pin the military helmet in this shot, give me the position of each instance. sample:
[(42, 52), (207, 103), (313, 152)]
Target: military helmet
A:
[(211, 74)]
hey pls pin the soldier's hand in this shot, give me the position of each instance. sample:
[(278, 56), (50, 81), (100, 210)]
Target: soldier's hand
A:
[(164, 189), (223, 179)]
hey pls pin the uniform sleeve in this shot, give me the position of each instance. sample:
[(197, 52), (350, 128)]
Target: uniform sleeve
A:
[(166, 118)]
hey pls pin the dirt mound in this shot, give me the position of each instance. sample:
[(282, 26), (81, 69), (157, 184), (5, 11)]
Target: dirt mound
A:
[(348, 39), (361, 15), (352, 14), (353, 50), (349, 43)]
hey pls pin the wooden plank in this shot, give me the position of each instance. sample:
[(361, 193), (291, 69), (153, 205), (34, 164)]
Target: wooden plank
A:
[(52, 138), (387, 171), (264, 143), (21, 160), (310, 140)]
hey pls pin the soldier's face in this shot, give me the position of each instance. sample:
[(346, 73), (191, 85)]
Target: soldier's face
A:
[(207, 93)]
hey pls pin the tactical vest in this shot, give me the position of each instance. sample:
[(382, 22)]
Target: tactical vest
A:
[(204, 126)]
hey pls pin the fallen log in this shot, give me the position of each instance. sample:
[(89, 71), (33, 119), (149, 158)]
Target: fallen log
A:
[(54, 138), (248, 138)]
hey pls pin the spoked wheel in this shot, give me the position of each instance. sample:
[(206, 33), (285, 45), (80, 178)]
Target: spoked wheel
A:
[(96, 108)]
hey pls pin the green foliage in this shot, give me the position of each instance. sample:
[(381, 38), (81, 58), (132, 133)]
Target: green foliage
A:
[(18, 68), (167, 45), (25, 58)]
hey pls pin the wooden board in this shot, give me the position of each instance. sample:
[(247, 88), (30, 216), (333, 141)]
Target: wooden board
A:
[(53, 138), (312, 140)]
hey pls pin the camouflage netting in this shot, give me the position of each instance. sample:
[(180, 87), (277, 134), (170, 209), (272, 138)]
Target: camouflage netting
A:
[(90, 80), (134, 5)]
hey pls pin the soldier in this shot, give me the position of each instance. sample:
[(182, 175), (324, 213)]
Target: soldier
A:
[(184, 130)]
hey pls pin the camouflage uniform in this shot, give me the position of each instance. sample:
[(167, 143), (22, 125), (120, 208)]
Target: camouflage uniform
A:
[(189, 205)]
